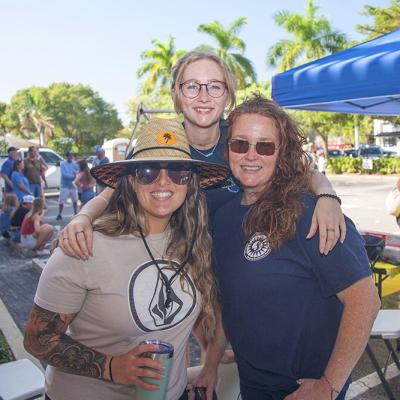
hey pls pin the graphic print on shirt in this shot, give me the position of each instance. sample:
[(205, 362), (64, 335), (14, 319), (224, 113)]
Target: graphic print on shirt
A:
[(147, 297), (257, 247)]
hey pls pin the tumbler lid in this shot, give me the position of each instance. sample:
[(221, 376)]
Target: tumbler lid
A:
[(163, 347)]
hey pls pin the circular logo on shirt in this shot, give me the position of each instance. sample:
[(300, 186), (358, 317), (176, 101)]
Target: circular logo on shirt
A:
[(232, 186), (166, 137), (257, 247), (147, 296)]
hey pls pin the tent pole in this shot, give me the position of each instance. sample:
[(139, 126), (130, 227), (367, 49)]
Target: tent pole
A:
[(356, 136)]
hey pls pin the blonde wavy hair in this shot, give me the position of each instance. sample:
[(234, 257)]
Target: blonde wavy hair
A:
[(277, 209), (123, 215), (191, 57)]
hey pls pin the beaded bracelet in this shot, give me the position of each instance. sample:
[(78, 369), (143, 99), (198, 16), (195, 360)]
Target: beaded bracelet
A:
[(333, 390), (110, 370), (332, 196)]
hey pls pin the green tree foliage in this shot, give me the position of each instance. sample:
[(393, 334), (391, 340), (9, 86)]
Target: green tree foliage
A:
[(313, 38), (385, 19), (263, 88), (28, 113), (158, 65), (327, 124), (81, 114), (231, 48), (73, 111)]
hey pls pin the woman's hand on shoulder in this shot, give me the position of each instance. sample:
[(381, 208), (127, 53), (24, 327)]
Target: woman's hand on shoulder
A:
[(328, 218), (130, 367), (76, 239)]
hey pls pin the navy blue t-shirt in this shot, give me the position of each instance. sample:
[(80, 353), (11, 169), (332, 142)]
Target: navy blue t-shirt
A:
[(221, 195), (280, 309)]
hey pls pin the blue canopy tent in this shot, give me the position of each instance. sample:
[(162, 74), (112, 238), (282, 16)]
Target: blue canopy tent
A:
[(364, 79)]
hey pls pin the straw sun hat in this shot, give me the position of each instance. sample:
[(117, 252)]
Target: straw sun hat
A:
[(162, 141)]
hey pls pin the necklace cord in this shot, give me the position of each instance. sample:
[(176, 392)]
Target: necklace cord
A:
[(168, 282), (210, 153)]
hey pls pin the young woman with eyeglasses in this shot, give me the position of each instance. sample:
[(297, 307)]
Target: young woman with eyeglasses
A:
[(150, 278), (203, 88)]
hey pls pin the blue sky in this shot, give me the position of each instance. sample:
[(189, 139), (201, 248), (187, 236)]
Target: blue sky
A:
[(99, 42)]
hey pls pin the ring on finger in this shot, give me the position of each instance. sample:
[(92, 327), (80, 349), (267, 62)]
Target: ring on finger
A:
[(78, 232), (330, 230), (64, 238)]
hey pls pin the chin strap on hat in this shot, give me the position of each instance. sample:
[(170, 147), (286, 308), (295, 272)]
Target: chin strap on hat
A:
[(168, 282)]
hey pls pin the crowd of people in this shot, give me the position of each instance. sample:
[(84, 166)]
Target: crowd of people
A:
[(208, 227), (25, 182)]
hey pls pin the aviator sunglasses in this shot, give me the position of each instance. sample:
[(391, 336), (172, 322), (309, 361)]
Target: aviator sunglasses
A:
[(242, 146), (147, 176)]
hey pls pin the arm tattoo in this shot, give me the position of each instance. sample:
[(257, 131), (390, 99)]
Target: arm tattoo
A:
[(45, 338)]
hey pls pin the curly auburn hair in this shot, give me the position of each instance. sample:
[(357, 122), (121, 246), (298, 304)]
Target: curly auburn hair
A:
[(278, 207), (123, 215)]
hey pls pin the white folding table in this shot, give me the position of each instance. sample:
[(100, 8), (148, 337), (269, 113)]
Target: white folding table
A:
[(20, 380), (386, 327)]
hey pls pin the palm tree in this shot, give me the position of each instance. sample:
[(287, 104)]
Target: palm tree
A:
[(159, 63), (32, 115), (231, 49), (313, 38), (385, 19)]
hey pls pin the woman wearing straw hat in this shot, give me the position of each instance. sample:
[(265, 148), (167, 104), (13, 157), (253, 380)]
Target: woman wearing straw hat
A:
[(150, 278), (202, 88)]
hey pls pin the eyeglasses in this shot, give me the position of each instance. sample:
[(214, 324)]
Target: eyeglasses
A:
[(147, 176), (262, 148), (191, 89)]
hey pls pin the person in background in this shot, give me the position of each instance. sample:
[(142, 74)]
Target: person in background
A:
[(100, 159), (34, 233), (151, 277), (19, 181), (7, 168), (10, 204), (297, 321), (33, 170), (18, 216), (321, 162), (84, 182), (68, 170)]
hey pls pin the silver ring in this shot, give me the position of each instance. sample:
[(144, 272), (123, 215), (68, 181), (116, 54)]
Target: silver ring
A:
[(79, 232)]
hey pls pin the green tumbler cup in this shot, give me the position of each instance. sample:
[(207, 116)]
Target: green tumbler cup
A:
[(164, 354)]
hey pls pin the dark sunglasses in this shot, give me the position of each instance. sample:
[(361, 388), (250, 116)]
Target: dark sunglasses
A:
[(242, 146), (147, 176)]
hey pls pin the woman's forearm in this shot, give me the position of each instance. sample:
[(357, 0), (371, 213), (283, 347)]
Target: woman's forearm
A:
[(320, 183), (45, 339), (361, 305), (98, 204)]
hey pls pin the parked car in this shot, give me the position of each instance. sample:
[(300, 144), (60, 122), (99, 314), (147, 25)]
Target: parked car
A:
[(53, 160), (335, 153), (351, 153), (371, 151)]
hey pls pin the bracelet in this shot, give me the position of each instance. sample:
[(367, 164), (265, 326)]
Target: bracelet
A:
[(85, 214), (110, 370), (333, 390), (332, 196)]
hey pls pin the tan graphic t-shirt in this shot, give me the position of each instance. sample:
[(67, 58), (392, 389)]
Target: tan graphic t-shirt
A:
[(116, 297)]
